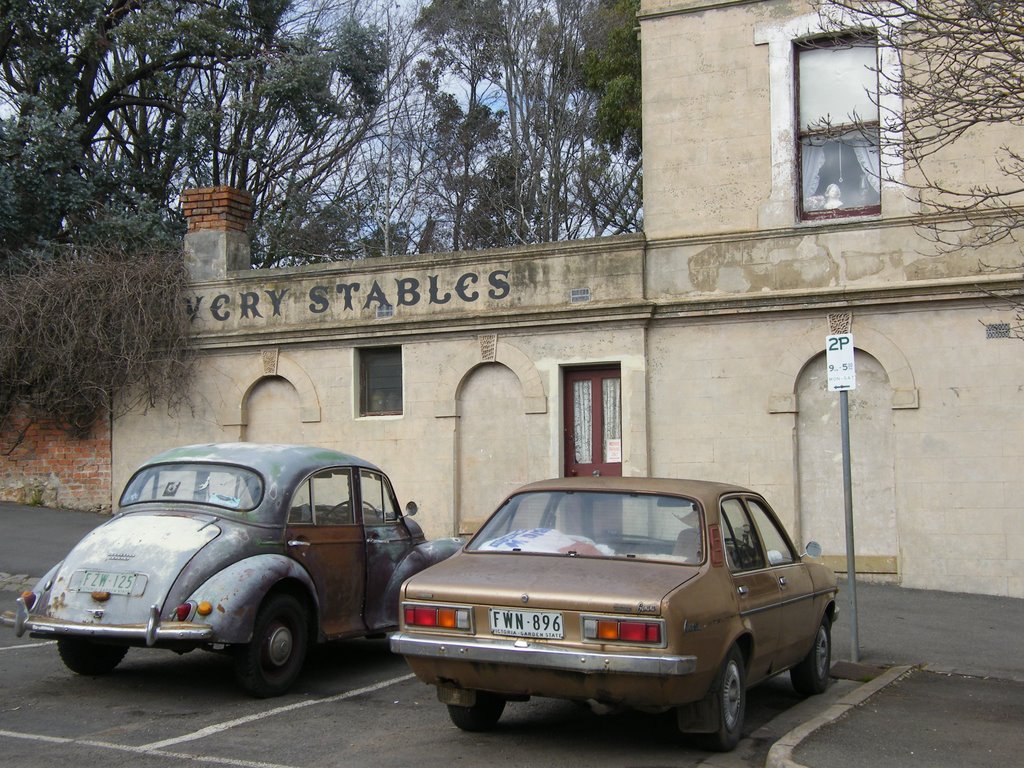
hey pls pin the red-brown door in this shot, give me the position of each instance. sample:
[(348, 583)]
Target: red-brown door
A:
[(593, 421)]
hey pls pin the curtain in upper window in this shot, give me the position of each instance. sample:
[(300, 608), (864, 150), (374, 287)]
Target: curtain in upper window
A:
[(838, 127)]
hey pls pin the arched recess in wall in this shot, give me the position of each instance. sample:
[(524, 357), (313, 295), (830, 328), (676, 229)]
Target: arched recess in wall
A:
[(885, 385), (262, 379), (492, 391)]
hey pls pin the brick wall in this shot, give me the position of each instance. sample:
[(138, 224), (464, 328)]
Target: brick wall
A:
[(40, 463)]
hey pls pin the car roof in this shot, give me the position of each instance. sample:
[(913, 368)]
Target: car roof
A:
[(272, 460), (706, 491)]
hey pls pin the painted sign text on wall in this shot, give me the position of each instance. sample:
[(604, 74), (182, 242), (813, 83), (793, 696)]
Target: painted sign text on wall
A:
[(347, 297)]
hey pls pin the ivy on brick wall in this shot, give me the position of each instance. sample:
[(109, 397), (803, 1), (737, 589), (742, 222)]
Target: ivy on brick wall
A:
[(94, 332)]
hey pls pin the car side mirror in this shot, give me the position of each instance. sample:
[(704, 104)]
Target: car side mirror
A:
[(411, 509), (813, 549)]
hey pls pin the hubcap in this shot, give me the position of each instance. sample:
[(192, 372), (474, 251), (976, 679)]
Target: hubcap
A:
[(821, 652), (731, 695), (279, 646)]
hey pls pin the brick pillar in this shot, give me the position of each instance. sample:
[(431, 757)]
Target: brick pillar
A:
[(217, 241)]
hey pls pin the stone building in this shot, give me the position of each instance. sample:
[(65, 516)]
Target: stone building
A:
[(696, 349)]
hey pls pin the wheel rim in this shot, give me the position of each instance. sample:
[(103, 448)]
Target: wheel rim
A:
[(278, 648), (821, 652), (732, 695)]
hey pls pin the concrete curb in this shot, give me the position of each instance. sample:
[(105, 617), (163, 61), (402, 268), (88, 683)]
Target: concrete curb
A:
[(781, 753), (16, 582)]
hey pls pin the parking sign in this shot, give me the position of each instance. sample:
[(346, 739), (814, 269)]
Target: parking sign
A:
[(839, 359)]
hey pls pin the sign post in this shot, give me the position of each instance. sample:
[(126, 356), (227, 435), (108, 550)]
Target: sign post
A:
[(842, 377)]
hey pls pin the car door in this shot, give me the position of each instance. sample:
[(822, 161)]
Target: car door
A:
[(388, 541), (799, 621), (324, 535), (757, 588)]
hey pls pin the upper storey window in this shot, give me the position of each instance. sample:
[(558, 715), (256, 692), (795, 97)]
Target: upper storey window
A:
[(838, 128)]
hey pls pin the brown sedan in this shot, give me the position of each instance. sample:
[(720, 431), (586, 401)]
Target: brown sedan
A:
[(654, 594)]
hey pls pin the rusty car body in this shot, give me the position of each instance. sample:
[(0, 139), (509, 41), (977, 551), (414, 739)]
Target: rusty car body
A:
[(653, 594), (255, 550)]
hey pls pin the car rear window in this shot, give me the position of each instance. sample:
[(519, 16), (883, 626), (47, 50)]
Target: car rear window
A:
[(225, 486), (596, 524)]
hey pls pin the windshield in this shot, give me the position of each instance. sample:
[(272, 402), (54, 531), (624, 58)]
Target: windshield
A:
[(596, 524), (219, 485)]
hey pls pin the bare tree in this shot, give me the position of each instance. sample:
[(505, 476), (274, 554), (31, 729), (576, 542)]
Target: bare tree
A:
[(958, 80)]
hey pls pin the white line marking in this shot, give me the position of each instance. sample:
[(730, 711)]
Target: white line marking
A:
[(212, 729), (156, 747), (141, 750), (27, 645)]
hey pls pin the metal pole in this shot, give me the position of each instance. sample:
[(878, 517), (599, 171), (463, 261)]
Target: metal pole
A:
[(851, 571)]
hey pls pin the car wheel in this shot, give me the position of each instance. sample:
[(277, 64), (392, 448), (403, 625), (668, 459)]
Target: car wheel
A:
[(88, 658), (810, 676), (729, 697), (482, 716), (269, 664)]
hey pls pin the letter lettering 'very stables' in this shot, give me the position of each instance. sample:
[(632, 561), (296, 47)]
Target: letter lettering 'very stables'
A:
[(408, 292)]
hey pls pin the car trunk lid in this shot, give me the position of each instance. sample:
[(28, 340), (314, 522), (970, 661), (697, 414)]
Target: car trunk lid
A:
[(134, 559), (554, 582)]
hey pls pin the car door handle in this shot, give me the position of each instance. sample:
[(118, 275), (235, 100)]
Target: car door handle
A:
[(743, 591), (782, 581), (297, 543)]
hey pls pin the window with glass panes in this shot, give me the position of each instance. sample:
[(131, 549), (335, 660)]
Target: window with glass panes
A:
[(380, 381), (838, 143)]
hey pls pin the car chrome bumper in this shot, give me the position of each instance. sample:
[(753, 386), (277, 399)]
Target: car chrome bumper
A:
[(531, 654), (151, 633)]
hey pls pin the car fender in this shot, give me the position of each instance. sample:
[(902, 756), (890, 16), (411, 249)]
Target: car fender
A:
[(236, 593), (419, 558)]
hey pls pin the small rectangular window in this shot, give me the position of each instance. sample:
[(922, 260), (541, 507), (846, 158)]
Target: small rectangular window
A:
[(380, 381), (838, 137)]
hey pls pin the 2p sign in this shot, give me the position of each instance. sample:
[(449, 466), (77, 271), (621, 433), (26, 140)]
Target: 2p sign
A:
[(839, 359)]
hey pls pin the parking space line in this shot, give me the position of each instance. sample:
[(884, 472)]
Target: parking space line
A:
[(219, 727), (28, 645), (141, 750), (156, 748)]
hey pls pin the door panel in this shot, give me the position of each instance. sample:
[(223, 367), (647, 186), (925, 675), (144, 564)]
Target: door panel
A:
[(387, 542), (757, 587), (325, 537), (593, 422), (799, 620)]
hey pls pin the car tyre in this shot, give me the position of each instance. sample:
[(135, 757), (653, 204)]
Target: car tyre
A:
[(85, 657), (810, 676), (482, 716), (729, 697), (269, 664)]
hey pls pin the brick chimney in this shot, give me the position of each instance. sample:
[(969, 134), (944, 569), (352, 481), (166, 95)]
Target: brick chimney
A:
[(217, 241)]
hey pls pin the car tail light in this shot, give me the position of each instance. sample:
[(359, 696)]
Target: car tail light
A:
[(442, 616), (29, 598), (616, 630), (184, 611)]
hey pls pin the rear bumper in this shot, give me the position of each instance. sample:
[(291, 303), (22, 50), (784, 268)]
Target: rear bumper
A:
[(153, 632), (529, 654)]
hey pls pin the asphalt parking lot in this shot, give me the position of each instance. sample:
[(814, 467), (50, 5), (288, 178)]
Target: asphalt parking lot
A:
[(355, 702)]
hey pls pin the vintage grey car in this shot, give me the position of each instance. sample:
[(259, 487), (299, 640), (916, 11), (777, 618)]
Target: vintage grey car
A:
[(652, 594), (254, 550)]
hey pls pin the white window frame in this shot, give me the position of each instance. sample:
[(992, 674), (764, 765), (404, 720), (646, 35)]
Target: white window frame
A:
[(783, 205)]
